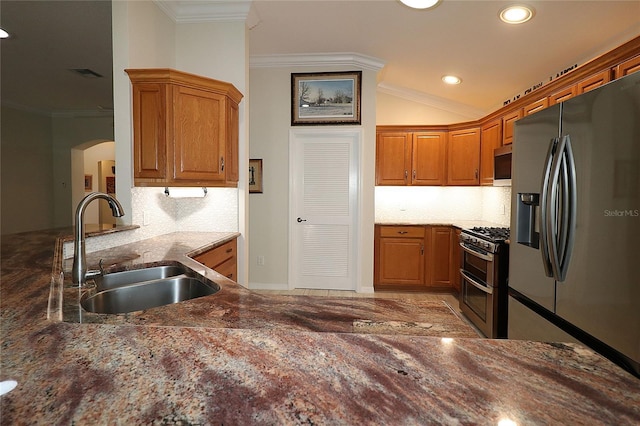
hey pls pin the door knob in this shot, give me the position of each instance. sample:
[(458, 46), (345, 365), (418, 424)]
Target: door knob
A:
[(301, 220)]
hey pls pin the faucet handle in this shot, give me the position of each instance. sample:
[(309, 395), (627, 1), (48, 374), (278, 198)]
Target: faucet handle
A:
[(95, 272)]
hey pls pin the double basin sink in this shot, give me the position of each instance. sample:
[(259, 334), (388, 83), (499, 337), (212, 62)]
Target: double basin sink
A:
[(139, 289)]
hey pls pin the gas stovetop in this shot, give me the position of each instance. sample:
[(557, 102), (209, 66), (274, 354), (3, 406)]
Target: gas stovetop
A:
[(487, 239), (496, 235)]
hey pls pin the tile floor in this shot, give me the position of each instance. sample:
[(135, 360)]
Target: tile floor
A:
[(451, 299)]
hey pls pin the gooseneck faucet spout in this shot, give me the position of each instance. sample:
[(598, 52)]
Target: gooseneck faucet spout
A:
[(79, 270)]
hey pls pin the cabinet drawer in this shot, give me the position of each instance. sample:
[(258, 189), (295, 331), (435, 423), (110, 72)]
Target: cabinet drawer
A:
[(228, 269), (218, 255), (402, 231)]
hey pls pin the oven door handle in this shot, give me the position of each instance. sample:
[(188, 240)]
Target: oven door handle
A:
[(475, 283), (488, 257)]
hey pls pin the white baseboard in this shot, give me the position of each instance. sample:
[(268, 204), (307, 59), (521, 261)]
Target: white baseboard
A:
[(268, 286)]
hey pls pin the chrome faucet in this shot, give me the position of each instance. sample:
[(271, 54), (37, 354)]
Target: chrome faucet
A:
[(79, 270)]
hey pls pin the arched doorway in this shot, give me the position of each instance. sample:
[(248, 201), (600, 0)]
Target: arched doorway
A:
[(93, 170)]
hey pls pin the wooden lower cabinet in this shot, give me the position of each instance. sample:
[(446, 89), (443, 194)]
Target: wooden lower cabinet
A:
[(413, 258), (399, 257), (222, 259), (455, 258)]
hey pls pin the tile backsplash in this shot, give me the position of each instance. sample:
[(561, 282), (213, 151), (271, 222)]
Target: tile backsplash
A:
[(446, 204), (156, 214)]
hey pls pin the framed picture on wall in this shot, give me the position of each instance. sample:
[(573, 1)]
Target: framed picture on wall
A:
[(325, 98), (255, 175), (88, 182)]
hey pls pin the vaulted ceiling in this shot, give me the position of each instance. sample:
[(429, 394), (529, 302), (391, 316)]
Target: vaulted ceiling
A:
[(495, 60)]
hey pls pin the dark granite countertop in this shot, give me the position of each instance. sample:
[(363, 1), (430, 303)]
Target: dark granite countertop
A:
[(242, 358)]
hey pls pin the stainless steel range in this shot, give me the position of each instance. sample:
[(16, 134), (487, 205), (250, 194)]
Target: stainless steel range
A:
[(484, 266)]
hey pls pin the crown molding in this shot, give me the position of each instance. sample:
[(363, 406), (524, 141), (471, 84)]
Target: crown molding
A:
[(190, 11), (316, 60), (432, 101), (75, 113)]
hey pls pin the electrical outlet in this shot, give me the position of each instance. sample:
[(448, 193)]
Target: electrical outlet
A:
[(261, 260)]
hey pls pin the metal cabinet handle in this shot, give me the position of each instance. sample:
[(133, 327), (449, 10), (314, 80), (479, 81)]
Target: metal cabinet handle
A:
[(414, 175), (406, 175), (222, 164), (301, 220), (403, 232), (476, 173)]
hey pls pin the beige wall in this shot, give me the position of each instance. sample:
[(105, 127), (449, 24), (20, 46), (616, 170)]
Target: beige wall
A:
[(26, 169), (392, 110), (270, 111)]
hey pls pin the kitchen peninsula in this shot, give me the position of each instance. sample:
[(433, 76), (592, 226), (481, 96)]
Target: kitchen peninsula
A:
[(274, 359)]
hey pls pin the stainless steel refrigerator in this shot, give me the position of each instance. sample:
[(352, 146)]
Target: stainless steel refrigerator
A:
[(574, 269)]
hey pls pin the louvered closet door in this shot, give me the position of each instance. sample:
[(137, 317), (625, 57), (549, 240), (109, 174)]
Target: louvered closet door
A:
[(323, 203)]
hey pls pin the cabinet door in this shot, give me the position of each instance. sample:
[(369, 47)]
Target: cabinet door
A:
[(594, 82), (490, 139), (199, 135), (402, 261), (233, 129), (393, 158), (536, 106), (439, 256), (429, 156), (563, 95), (149, 130), (464, 157), (628, 67), (455, 258), (507, 126)]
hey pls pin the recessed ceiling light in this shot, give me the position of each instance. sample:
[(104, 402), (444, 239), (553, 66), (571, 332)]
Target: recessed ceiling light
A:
[(451, 79), (420, 4), (516, 14), (3, 33)]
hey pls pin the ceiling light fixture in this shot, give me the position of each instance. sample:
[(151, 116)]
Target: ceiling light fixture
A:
[(420, 4), (3, 33), (451, 79), (516, 14)]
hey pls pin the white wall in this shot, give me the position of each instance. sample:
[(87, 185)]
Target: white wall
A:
[(268, 212)]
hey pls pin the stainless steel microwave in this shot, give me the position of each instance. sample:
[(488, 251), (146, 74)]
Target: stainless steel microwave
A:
[(502, 166)]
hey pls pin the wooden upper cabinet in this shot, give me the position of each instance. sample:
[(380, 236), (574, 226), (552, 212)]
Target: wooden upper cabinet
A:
[(393, 158), (185, 129), (536, 106), (150, 113), (199, 149), (464, 157), (490, 139), (628, 67), (594, 81), (507, 125), (563, 95), (428, 158)]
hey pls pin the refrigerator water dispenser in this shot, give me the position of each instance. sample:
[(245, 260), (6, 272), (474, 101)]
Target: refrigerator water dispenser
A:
[(527, 211)]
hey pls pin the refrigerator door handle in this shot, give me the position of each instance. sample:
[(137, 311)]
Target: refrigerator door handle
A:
[(570, 193), (562, 205), (555, 197), (545, 209)]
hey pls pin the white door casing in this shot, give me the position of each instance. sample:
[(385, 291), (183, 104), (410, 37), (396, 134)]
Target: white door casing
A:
[(323, 208)]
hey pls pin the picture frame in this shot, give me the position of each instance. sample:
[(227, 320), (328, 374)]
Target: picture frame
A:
[(255, 175), (88, 183), (327, 98)]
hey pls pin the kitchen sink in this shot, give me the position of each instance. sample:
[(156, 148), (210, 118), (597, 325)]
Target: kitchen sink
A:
[(140, 289), (135, 276)]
